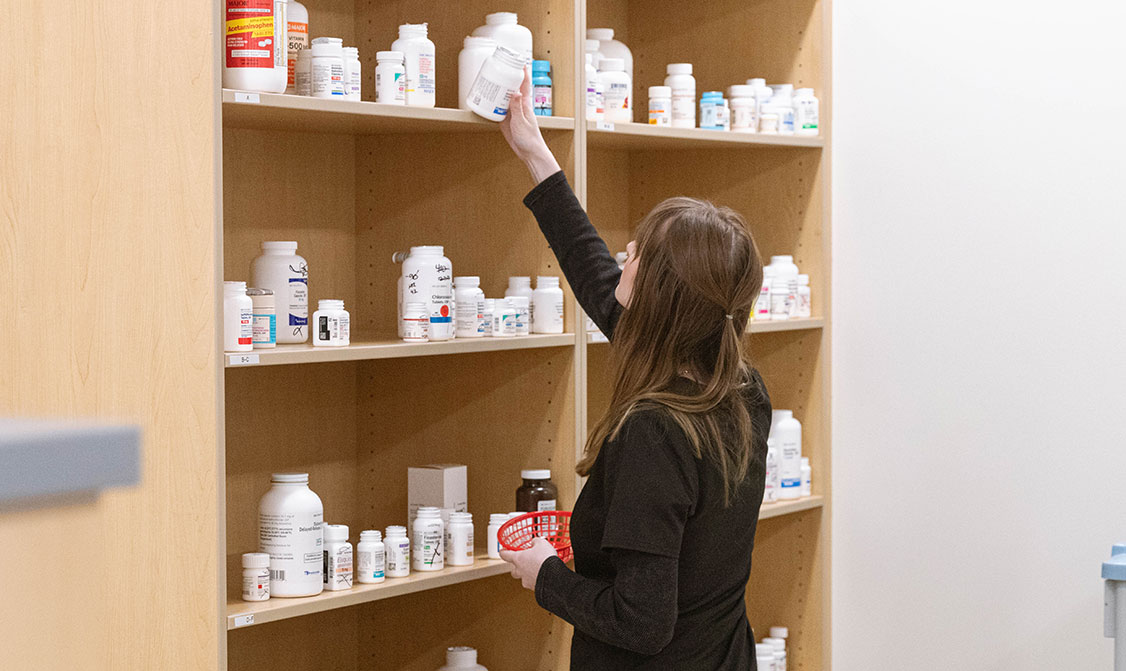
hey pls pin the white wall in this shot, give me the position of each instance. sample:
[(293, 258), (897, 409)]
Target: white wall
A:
[(979, 331)]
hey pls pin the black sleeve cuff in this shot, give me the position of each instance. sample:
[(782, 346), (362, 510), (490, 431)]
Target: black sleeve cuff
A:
[(548, 585), (546, 186)]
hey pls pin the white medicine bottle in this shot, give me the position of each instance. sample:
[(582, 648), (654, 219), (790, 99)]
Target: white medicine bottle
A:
[(615, 91), (683, 86), (504, 318), (771, 493), (803, 305), (660, 106), (428, 279), (255, 576), (459, 540), (238, 318), (353, 74), (492, 545), (337, 566), (416, 323), (331, 324), (500, 76), (290, 519), (390, 78), (611, 48), (251, 61), (505, 29), (398, 552), (547, 305), (420, 63), (523, 314), (282, 271), (371, 558), (806, 112), (328, 68), (469, 307), (461, 658), (427, 551), (806, 477), (786, 431), (474, 52), (594, 104)]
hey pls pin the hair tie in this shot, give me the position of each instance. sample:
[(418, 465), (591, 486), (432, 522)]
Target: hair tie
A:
[(730, 317)]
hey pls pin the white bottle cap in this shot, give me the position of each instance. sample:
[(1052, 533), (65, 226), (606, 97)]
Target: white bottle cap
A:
[(393, 56), (546, 281), (461, 656), (782, 632), (600, 33), (467, 281), (330, 304), (290, 478), (352, 52), (256, 560), (517, 281), (279, 246), (660, 92), (756, 83), (500, 18), (395, 530), (679, 68), (741, 91), (336, 532), (541, 474), (612, 65), (498, 518), (234, 288), (803, 92), (370, 535), (412, 29), (428, 511), (783, 258)]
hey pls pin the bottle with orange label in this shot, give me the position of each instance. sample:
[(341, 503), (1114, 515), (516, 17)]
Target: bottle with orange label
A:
[(254, 45), (297, 38)]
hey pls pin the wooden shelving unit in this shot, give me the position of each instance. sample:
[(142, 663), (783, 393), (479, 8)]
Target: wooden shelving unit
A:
[(353, 182)]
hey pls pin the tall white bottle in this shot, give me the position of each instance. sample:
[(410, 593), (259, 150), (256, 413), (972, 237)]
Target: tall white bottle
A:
[(428, 279), (290, 530), (419, 62), (281, 270), (611, 48), (786, 432)]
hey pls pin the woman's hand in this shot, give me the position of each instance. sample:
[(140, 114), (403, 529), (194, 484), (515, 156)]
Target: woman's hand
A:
[(522, 131), (526, 563)]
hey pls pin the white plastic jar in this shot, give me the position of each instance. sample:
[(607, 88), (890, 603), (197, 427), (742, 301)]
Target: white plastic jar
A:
[(615, 91), (683, 86), (416, 323), (304, 73), (806, 112), (786, 431), (487, 316), (427, 551), (594, 100), (328, 68), (255, 576), (297, 39), (264, 327), (505, 29), (803, 304), (428, 278), (398, 549), (353, 74), (459, 540), (474, 52), (768, 123), (337, 566), (461, 658), (390, 78), (496, 520), (331, 324), (419, 62), (742, 108), (238, 318), (254, 52), (371, 558), (469, 302), (547, 305), (290, 519), (764, 657), (504, 318), (660, 106), (500, 77), (611, 48), (522, 307), (784, 286)]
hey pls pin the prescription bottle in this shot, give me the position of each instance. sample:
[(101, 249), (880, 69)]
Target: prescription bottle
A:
[(537, 493)]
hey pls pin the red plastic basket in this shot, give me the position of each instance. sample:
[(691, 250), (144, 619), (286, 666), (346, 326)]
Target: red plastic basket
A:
[(554, 526)]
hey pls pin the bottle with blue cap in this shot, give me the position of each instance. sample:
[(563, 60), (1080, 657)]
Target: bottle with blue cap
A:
[(541, 88), (1114, 603)]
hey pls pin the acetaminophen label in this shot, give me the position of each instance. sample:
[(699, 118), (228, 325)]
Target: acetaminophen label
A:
[(250, 34)]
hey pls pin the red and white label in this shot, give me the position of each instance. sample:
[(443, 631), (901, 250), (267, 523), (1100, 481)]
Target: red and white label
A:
[(250, 34)]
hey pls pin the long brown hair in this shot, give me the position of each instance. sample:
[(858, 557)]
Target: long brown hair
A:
[(699, 273)]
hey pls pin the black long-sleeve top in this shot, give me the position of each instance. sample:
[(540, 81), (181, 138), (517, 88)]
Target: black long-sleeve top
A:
[(661, 565)]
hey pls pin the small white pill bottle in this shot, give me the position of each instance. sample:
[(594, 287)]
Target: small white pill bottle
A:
[(803, 304), (764, 657), (504, 318), (779, 652), (487, 316), (523, 308), (459, 540), (594, 102), (806, 112), (615, 91), (328, 68), (469, 304), (496, 520), (427, 551), (238, 318), (770, 495), (398, 549), (500, 76), (806, 477), (428, 278), (264, 328), (660, 106), (461, 658), (371, 558), (547, 305), (255, 576), (390, 78), (331, 324), (416, 323), (303, 73), (743, 118), (419, 62), (353, 74), (683, 86), (337, 566)]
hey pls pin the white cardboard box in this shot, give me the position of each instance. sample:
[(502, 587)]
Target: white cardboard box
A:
[(443, 486)]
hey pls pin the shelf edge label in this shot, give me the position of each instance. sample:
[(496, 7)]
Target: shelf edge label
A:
[(603, 125), (246, 97), (243, 359), (244, 620)]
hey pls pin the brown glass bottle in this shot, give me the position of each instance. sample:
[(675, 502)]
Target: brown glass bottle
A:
[(537, 493)]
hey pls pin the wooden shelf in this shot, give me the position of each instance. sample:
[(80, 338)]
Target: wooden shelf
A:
[(644, 136), (274, 111), (780, 508), (594, 338), (361, 350), (242, 614)]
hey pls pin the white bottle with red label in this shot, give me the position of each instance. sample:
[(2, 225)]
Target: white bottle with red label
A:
[(255, 45), (238, 315)]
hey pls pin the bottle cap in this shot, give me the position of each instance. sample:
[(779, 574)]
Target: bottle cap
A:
[(500, 18), (256, 560), (336, 532), (290, 478), (371, 535), (678, 68), (396, 530), (461, 656), (279, 246), (397, 56), (546, 281), (541, 66), (542, 474), (600, 33), (660, 92), (782, 632), (467, 280), (741, 91)]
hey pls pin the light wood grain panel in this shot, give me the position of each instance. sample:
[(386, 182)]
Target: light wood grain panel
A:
[(327, 640), (108, 261), (550, 21)]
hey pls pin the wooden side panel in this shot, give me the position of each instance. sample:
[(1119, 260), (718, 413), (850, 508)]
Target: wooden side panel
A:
[(108, 287), (550, 21)]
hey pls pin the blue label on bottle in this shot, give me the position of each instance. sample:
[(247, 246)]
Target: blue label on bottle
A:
[(502, 111), (441, 320), (788, 483)]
